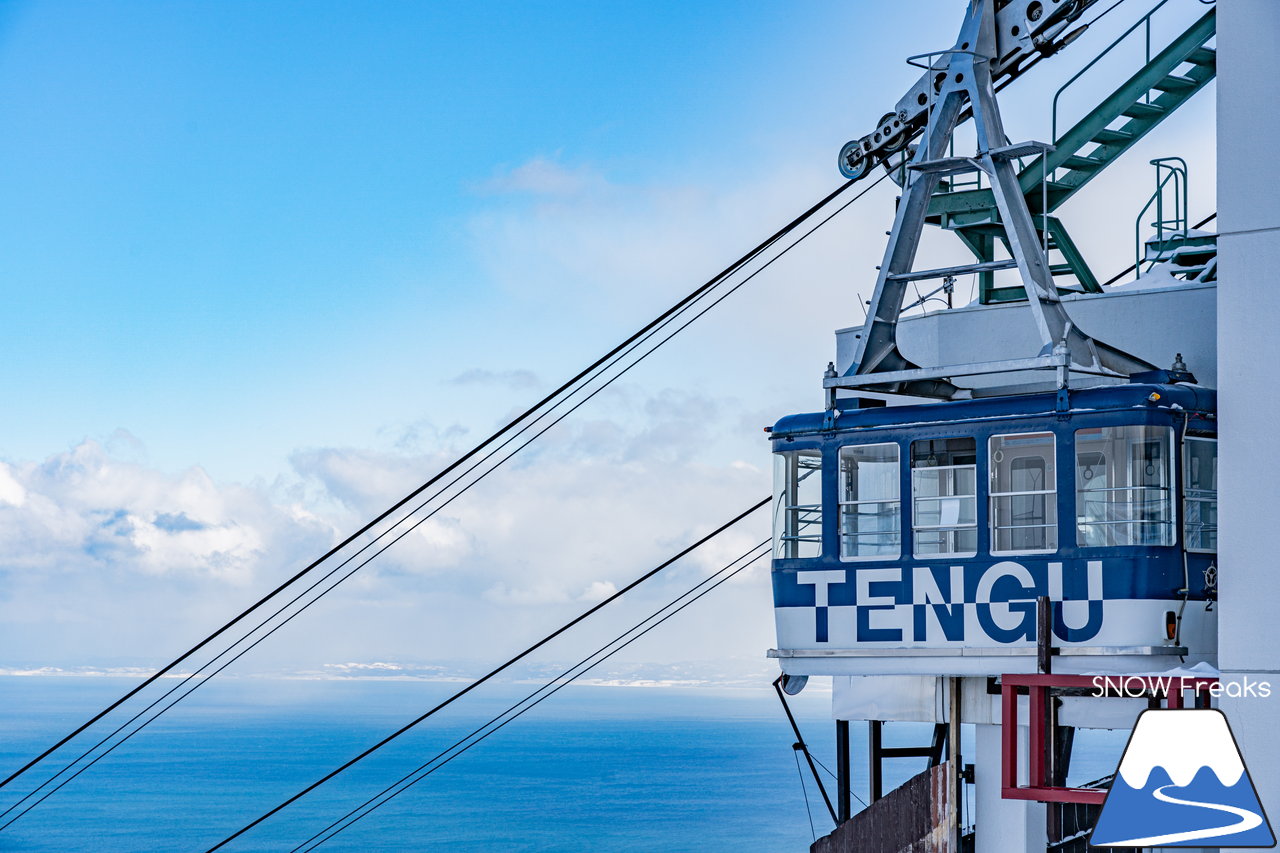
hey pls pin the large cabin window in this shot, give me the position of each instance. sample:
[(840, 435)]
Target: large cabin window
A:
[(870, 505), (1024, 493), (944, 496), (1200, 481), (1124, 479), (797, 504)]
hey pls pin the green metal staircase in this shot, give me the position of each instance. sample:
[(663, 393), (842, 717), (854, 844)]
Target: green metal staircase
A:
[(1167, 81), (1186, 258)]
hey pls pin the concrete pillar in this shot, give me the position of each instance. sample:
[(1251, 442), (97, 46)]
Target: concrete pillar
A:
[(1004, 826), (1248, 359)]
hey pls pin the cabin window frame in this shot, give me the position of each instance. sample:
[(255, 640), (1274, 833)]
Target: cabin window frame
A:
[(1137, 518), (841, 503), (1188, 499), (1050, 494), (917, 529), (788, 523)]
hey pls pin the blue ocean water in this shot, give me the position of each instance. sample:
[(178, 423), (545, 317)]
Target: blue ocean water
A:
[(594, 768)]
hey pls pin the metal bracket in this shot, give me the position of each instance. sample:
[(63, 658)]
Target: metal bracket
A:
[(1058, 361), (1038, 687), (1063, 406)]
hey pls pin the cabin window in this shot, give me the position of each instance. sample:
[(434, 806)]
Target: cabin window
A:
[(944, 496), (1024, 493), (1124, 493), (1200, 480), (870, 504), (797, 505)]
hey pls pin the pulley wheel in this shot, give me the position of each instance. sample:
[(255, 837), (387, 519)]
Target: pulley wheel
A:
[(895, 141), (852, 164)]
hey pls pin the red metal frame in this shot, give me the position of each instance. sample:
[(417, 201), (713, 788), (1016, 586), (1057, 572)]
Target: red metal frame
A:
[(1038, 686)]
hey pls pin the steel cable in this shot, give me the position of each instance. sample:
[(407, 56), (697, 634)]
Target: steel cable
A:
[(525, 415), (405, 532), (493, 672), (479, 734), (805, 790)]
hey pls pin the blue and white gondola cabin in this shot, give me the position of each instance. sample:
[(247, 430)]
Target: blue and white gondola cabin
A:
[(909, 535)]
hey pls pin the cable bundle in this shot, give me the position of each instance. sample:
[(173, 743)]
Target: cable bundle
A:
[(411, 511)]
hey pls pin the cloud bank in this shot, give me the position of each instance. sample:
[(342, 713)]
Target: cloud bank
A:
[(108, 563)]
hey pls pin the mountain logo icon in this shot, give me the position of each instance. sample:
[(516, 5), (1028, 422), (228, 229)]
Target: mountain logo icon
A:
[(1182, 783)]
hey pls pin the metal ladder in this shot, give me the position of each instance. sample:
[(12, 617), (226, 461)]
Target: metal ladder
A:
[(1172, 248)]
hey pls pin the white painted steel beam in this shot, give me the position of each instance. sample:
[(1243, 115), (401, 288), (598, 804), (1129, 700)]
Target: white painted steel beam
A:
[(1248, 354)]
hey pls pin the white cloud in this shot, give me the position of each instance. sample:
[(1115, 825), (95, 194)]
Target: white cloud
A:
[(514, 380), (365, 481), (373, 666), (84, 510), (11, 491), (542, 176), (598, 591), (545, 592), (108, 562), (620, 249)]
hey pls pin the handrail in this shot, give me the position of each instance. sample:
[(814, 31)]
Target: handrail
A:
[(1145, 19), (1175, 170)]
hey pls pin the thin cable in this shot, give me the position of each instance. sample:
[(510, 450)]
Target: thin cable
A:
[(1103, 13), (416, 509), (549, 689), (493, 672), (320, 595), (422, 772), (437, 509), (833, 776), (696, 293), (244, 651), (557, 689), (347, 560), (812, 832), (707, 308)]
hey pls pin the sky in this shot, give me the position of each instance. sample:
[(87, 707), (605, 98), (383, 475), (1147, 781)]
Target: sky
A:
[(266, 266)]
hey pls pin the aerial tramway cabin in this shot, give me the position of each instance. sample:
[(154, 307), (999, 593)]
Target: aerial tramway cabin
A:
[(972, 458), (925, 533)]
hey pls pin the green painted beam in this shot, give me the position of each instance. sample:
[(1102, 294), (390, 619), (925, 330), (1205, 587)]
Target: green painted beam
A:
[(972, 214), (1126, 99), (983, 247), (1071, 254)]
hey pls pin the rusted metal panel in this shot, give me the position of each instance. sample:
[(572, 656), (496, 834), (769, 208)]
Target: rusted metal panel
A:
[(913, 818)]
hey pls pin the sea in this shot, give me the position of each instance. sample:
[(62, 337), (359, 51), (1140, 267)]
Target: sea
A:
[(593, 768)]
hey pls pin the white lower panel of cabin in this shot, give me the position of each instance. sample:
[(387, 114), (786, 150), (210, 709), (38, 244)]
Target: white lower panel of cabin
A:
[(1131, 637)]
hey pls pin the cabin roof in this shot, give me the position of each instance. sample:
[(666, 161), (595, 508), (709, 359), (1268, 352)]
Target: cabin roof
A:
[(1192, 398)]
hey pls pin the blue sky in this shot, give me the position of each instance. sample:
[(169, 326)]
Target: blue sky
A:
[(268, 265), (225, 216)]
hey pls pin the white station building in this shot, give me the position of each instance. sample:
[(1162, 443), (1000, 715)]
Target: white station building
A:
[(1001, 498)]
